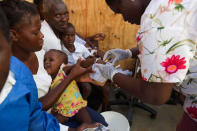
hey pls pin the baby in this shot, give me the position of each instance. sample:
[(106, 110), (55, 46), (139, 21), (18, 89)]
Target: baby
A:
[(71, 102)]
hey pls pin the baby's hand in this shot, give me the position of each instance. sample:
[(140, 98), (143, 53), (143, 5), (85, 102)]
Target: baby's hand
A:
[(100, 62), (99, 53), (88, 62)]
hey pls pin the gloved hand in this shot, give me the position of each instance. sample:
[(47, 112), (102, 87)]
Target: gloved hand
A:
[(119, 55), (108, 71), (192, 73)]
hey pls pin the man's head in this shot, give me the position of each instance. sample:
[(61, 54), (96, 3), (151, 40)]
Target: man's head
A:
[(56, 14), (131, 10), (5, 51)]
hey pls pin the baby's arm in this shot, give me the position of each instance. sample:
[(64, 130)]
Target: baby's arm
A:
[(51, 97), (67, 69), (89, 61), (99, 54)]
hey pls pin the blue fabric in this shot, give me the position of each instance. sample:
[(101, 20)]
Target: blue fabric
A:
[(21, 110), (96, 117)]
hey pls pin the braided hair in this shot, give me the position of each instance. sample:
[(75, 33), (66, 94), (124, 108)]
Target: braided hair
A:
[(18, 10)]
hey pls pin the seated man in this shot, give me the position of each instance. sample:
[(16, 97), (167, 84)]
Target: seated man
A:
[(56, 19)]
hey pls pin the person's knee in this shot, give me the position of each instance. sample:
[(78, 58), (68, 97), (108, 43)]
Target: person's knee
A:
[(105, 91), (86, 89)]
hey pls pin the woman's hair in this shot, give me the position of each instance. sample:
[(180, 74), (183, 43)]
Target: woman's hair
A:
[(37, 2), (17, 10), (4, 27)]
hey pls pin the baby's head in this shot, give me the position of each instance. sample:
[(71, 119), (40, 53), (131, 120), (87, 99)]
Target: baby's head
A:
[(53, 59), (68, 36)]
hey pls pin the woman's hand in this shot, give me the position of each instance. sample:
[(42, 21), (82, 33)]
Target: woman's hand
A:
[(107, 70), (116, 55)]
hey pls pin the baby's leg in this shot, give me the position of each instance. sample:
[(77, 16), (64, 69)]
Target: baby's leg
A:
[(83, 116), (85, 89), (61, 119), (105, 96)]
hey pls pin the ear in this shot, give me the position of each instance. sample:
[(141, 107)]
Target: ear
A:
[(13, 35)]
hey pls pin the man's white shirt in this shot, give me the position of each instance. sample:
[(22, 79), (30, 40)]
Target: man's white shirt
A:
[(51, 41)]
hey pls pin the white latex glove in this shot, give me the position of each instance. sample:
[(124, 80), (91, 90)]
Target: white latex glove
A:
[(119, 55), (108, 71), (192, 75)]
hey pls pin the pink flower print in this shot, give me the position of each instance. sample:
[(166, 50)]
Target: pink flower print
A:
[(64, 76), (60, 105), (143, 78), (74, 112), (139, 37), (77, 103), (59, 74), (192, 112), (173, 64), (176, 1), (73, 104)]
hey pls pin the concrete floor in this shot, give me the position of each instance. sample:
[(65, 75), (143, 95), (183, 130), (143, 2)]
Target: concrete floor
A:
[(166, 120), (167, 117)]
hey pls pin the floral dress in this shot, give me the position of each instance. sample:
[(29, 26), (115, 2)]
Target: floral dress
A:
[(167, 43), (71, 101)]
